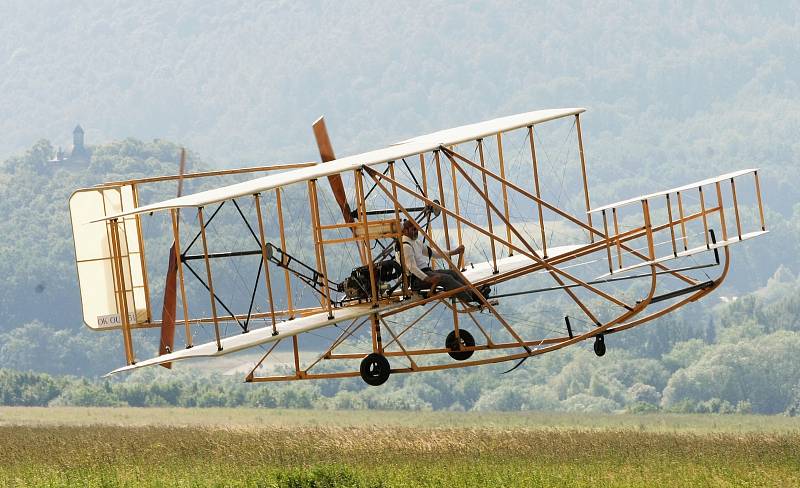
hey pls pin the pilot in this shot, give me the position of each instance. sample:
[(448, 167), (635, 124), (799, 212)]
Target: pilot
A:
[(417, 256)]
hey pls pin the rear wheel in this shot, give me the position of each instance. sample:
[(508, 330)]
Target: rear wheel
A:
[(599, 346), (455, 346), (375, 369)]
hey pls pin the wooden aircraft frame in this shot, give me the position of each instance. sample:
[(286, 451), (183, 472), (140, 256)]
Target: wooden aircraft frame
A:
[(440, 165)]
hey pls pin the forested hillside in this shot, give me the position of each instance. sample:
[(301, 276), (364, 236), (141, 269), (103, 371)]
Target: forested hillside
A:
[(674, 92)]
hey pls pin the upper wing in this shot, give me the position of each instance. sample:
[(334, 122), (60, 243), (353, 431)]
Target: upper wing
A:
[(394, 152)]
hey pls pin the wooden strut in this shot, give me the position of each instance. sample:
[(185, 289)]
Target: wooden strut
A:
[(142, 262), (672, 228), (208, 275), (184, 304), (736, 210), (561, 213), (721, 213), (504, 186), (287, 278), (488, 212), (377, 343), (319, 246), (343, 336), (265, 262), (608, 248), (122, 305), (405, 286), (437, 158), (705, 218), (616, 233), (760, 206), (455, 203), (412, 324), (583, 172), (538, 192)]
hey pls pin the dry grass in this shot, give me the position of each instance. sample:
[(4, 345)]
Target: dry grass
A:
[(297, 453)]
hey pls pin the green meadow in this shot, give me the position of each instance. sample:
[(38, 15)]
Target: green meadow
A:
[(296, 448)]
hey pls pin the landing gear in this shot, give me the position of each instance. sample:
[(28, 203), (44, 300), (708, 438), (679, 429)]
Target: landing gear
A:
[(599, 345), (455, 346), (375, 369)]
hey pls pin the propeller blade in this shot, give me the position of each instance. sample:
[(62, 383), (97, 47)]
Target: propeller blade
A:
[(170, 305), (326, 154)]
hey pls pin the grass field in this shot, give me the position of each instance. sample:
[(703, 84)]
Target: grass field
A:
[(221, 447)]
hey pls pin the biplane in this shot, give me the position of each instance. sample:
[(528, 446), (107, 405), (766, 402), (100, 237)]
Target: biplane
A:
[(327, 284)]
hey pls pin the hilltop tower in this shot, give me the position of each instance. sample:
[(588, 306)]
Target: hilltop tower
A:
[(79, 152)]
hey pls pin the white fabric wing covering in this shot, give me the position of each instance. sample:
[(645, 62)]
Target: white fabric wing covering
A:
[(394, 152)]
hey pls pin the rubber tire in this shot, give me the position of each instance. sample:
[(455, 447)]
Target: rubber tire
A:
[(466, 340), (375, 369), (599, 346)]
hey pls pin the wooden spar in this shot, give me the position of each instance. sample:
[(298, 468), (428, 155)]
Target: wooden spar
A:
[(287, 278), (721, 212), (538, 192), (736, 210), (265, 261), (208, 275), (204, 174), (122, 305), (488, 211), (503, 186), (583, 171), (760, 206), (184, 305), (320, 247), (672, 228)]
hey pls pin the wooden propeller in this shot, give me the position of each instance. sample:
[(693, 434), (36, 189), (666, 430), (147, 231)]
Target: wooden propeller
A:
[(326, 154)]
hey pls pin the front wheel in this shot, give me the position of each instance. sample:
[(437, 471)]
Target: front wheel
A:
[(455, 346), (375, 369)]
